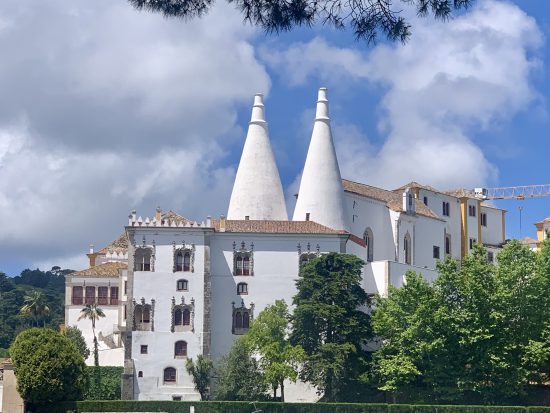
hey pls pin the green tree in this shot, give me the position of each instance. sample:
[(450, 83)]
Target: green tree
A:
[(201, 371), (93, 313), (238, 376), (367, 18), (48, 366), (75, 335), (268, 337), (330, 325), (35, 307)]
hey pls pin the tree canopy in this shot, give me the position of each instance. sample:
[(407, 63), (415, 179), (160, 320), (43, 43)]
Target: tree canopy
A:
[(48, 366), (330, 324), (238, 376), (279, 360), (367, 18), (479, 333), (201, 371)]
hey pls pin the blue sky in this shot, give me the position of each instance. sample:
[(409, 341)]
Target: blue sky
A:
[(110, 109)]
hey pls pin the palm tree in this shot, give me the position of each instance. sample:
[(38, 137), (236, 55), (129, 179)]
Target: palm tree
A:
[(93, 312), (35, 307)]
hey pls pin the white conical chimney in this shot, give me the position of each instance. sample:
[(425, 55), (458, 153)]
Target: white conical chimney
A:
[(321, 196), (257, 192)]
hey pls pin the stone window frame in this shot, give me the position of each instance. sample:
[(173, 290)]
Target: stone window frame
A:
[(185, 285), (307, 255), (182, 307), (368, 237), (242, 311), (152, 248), (135, 325), (184, 249), (243, 253), (242, 288)]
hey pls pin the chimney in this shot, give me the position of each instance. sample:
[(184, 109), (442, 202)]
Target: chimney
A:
[(91, 248), (257, 191), (222, 223), (409, 205), (321, 194), (158, 214), (209, 221)]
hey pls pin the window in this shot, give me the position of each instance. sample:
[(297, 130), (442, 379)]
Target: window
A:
[(446, 209), (472, 242), (90, 295), (180, 349), (103, 295), (182, 318), (176, 398), (144, 348), (77, 299), (125, 312), (242, 317), (242, 288), (140, 374), (142, 317), (471, 210), (447, 244), (125, 287), (182, 260), (490, 256), (142, 259), (436, 252), (407, 248), (114, 295), (369, 244), (426, 200), (242, 264), (169, 375), (483, 218), (306, 257), (182, 285)]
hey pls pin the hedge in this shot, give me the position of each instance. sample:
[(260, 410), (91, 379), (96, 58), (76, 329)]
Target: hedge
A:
[(272, 407)]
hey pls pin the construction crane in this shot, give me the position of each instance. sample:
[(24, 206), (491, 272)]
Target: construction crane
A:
[(513, 192)]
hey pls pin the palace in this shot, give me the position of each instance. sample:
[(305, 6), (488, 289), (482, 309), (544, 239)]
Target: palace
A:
[(173, 288)]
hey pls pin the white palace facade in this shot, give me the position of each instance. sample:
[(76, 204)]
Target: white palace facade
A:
[(173, 288)]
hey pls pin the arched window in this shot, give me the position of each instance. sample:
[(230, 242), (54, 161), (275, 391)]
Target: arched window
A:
[(182, 318), (447, 244), (242, 288), (180, 349), (183, 258), (243, 260), (242, 318), (142, 259), (142, 317), (407, 248), (369, 244), (187, 261), (182, 285), (169, 375)]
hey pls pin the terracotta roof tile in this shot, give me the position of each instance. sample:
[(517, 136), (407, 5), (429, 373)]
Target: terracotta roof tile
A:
[(393, 200), (275, 227), (414, 184), (174, 217), (544, 221), (119, 245), (528, 240), (108, 269)]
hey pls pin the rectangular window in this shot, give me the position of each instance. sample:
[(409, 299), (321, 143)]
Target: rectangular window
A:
[(471, 210), (446, 209), (426, 200), (436, 252), (472, 242), (78, 297), (144, 348), (125, 287), (125, 312), (103, 295), (490, 256), (483, 218), (114, 295), (448, 245), (90, 295), (182, 285)]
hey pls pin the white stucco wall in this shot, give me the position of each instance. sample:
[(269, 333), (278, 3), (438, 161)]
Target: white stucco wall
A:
[(492, 233)]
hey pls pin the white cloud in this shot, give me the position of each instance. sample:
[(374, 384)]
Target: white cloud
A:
[(450, 79)]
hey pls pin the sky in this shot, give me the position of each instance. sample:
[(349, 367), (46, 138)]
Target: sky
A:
[(104, 109)]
